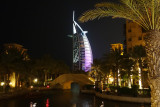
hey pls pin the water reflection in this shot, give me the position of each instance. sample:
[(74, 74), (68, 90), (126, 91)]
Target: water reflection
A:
[(78, 101), (47, 102), (33, 104), (102, 105), (98, 102), (74, 105), (65, 99)]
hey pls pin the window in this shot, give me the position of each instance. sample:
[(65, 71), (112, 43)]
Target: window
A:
[(140, 38), (129, 30), (130, 39)]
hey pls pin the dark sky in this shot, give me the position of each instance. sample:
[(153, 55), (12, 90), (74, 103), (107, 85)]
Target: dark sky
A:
[(42, 27)]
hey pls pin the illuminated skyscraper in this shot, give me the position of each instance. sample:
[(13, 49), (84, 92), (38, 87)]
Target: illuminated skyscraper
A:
[(82, 53)]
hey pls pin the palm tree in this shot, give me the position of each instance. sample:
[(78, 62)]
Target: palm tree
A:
[(47, 66), (12, 61), (43, 67), (146, 13), (60, 68), (115, 58), (106, 67), (139, 55), (127, 65), (96, 69), (97, 73)]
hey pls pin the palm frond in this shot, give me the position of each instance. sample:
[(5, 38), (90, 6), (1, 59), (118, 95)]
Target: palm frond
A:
[(137, 7), (99, 12), (144, 12), (93, 14)]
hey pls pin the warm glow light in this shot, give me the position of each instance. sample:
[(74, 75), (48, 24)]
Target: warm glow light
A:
[(31, 86), (12, 80), (92, 79), (2, 83), (140, 84), (35, 80), (111, 79), (140, 81)]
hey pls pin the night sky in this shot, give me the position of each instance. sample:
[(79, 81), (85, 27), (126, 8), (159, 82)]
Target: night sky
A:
[(42, 27)]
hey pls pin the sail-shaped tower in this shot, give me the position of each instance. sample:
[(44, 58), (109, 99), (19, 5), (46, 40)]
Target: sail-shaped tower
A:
[(82, 53)]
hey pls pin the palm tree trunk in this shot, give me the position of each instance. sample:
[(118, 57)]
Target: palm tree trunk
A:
[(4, 86), (107, 78), (152, 40), (45, 78), (155, 92), (117, 78), (114, 74), (129, 80), (17, 80)]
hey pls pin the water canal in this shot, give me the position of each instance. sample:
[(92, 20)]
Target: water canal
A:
[(64, 99)]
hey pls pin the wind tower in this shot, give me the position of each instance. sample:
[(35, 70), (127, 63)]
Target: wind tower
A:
[(82, 53)]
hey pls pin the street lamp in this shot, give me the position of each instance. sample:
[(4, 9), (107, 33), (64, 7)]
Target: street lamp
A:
[(2, 83), (35, 80)]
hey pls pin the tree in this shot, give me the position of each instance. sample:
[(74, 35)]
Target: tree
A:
[(115, 58), (46, 66), (139, 55), (106, 68), (12, 60), (43, 67), (97, 73), (60, 67), (127, 65), (146, 13), (96, 69)]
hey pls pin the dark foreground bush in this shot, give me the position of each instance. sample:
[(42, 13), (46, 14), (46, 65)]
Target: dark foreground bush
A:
[(134, 90), (124, 91), (89, 87), (129, 91)]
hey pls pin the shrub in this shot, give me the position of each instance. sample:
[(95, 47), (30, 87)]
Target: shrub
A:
[(124, 91), (129, 91), (134, 90), (89, 87)]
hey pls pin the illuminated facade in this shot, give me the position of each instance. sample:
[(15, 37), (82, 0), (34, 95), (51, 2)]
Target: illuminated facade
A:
[(19, 48), (117, 46), (82, 53), (134, 35)]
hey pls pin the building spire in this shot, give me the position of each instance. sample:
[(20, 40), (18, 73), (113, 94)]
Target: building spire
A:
[(74, 24), (73, 15)]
